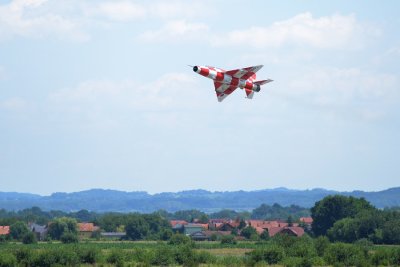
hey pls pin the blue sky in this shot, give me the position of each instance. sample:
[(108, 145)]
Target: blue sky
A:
[(97, 94)]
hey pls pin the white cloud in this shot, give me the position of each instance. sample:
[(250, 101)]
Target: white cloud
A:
[(127, 10), (31, 18), (180, 9), (95, 101), (120, 10), (336, 31), (352, 90), (176, 31)]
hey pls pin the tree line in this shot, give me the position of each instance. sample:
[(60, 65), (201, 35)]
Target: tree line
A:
[(348, 219), (340, 218), (264, 211)]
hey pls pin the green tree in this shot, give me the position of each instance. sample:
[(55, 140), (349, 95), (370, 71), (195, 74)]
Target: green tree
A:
[(188, 215), (321, 243), (228, 239), (290, 220), (203, 218), (248, 232), (225, 214), (242, 224), (391, 232), (68, 238), (333, 208), (264, 235), (180, 239), (344, 230), (29, 238), (137, 228), (61, 226), (18, 230)]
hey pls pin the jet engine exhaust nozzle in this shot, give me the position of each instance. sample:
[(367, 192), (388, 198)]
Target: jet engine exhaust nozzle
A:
[(195, 68), (257, 89)]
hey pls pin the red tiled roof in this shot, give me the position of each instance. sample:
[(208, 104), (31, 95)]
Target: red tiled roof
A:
[(217, 220), (175, 222), (87, 227), (266, 224), (307, 220), (4, 230), (297, 231)]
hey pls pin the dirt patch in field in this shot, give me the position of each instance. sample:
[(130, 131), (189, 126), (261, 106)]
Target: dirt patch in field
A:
[(227, 251)]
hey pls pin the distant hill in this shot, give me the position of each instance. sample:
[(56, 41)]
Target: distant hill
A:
[(101, 200)]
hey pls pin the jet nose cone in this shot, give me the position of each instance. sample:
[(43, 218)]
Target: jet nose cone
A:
[(195, 68)]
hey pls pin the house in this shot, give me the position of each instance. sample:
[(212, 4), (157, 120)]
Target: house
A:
[(4, 230), (85, 230), (191, 228), (177, 225), (113, 235), (228, 226), (177, 222), (39, 230), (216, 223), (306, 220), (289, 230), (207, 235)]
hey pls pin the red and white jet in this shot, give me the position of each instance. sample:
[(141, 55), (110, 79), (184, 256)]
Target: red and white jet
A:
[(226, 81)]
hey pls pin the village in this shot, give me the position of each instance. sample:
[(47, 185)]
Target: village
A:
[(212, 230)]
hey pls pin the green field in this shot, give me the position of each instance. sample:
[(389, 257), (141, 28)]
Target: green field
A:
[(283, 252)]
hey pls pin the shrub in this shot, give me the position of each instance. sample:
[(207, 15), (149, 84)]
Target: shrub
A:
[(228, 239), (29, 238), (68, 238), (302, 247), (166, 234), (231, 261), (271, 255), (296, 262), (24, 256), (116, 257), (163, 256), (179, 239), (365, 245), (204, 257), (143, 256), (66, 256), (380, 257), (321, 243), (395, 256), (283, 240), (347, 254), (7, 260), (88, 255), (186, 256)]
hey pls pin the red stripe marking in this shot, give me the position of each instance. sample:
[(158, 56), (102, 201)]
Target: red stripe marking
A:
[(220, 76), (217, 85), (230, 90), (248, 85), (235, 81), (204, 72)]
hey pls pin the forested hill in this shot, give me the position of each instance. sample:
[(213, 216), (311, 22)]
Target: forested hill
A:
[(111, 200)]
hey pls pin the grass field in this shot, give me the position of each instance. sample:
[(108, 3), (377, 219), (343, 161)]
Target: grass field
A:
[(300, 252)]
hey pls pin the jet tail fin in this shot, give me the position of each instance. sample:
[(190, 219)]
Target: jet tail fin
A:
[(249, 93), (263, 82)]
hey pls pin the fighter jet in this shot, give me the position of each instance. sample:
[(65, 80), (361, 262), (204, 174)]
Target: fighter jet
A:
[(226, 81)]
